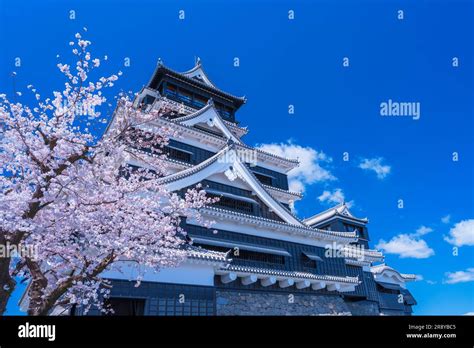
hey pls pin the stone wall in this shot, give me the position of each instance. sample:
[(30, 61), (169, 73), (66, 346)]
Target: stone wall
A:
[(393, 312), (272, 303), (363, 308)]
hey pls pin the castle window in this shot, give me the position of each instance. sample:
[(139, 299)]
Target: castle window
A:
[(185, 96), (260, 257), (310, 260), (233, 204), (264, 179), (177, 154), (171, 89), (148, 99), (225, 113), (352, 228), (199, 101)]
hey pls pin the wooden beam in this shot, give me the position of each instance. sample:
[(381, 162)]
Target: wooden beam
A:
[(268, 281), (249, 279), (318, 286), (286, 283), (228, 278), (334, 287), (303, 284)]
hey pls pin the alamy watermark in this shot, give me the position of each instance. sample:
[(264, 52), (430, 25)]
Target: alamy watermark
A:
[(37, 331), (9, 250), (400, 109), (245, 155), (336, 250), (79, 109)]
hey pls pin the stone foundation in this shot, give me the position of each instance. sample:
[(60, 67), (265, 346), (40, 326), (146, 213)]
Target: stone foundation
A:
[(363, 308), (268, 303)]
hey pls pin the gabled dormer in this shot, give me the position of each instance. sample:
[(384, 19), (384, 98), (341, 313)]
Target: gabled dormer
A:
[(198, 73), (339, 218), (232, 179), (208, 119)]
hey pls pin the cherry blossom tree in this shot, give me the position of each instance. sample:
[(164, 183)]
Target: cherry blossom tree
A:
[(68, 194)]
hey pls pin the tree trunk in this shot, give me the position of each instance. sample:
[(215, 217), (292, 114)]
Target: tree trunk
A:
[(37, 287), (40, 305), (7, 283)]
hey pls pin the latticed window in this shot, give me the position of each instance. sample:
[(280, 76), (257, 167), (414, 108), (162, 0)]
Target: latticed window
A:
[(177, 154), (260, 257), (233, 204)]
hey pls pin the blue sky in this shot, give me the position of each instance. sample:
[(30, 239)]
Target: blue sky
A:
[(337, 108)]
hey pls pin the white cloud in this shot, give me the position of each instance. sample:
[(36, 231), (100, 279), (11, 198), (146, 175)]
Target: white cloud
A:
[(309, 171), (375, 164), (469, 313), (296, 185), (406, 246), (336, 196), (462, 233), (421, 231), (460, 276), (431, 282), (446, 219)]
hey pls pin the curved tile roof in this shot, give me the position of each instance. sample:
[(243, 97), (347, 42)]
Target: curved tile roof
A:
[(185, 75), (339, 210), (350, 236), (208, 255), (291, 274), (379, 269)]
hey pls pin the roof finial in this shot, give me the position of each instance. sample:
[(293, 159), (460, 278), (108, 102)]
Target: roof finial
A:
[(197, 61), (160, 61), (210, 101)]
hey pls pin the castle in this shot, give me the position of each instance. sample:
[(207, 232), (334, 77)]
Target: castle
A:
[(258, 258)]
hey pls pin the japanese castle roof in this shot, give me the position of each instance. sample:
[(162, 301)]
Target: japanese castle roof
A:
[(341, 210), (383, 268), (207, 255), (291, 274), (275, 191), (345, 237), (288, 162), (209, 115), (195, 76), (227, 161)]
